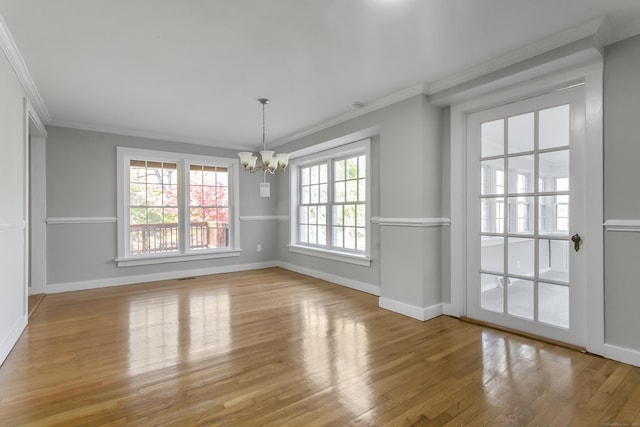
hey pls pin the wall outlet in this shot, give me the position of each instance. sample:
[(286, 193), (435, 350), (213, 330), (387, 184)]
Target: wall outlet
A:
[(259, 248)]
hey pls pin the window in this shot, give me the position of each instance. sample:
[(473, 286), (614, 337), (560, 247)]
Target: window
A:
[(562, 204), (175, 207), (330, 204)]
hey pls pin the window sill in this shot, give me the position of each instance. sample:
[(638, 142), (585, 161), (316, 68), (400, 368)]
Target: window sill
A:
[(175, 257), (332, 255)]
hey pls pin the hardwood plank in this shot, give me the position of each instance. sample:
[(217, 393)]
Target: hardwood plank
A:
[(272, 347)]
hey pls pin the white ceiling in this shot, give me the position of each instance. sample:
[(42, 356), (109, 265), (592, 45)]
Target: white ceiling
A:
[(192, 70)]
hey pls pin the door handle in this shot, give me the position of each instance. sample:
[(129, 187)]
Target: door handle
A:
[(577, 240)]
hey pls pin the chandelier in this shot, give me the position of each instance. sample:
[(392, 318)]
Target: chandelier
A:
[(269, 161)]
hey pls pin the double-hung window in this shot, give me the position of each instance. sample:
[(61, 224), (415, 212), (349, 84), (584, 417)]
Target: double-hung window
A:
[(330, 204), (175, 207)]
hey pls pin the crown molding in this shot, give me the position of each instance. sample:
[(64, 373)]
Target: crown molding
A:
[(146, 134), (410, 92), (14, 57), (562, 38), (621, 32)]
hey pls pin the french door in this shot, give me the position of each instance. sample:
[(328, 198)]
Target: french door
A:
[(525, 213)]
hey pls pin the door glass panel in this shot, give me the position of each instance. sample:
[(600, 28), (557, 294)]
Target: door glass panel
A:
[(520, 298), (521, 173), (520, 134), (492, 215), (520, 215), (553, 216), (553, 171), (553, 307), (492, 138), (492, 294), (492, 177), (553, 127), (492, 254), (553, 260), (521, 256)]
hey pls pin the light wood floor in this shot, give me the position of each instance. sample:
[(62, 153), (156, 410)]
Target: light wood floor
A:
[(271, 347)]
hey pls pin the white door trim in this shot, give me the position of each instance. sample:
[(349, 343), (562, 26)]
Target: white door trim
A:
[(591, 76)]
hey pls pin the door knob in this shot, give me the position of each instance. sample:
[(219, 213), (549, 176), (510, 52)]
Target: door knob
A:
[(577, 240)]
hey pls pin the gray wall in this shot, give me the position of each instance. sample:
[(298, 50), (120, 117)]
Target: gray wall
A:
[(81, 182), (12, 209), (406, 260), (621, 191)]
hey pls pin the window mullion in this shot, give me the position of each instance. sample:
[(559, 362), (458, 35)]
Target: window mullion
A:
[(330, 203), (183, 212)]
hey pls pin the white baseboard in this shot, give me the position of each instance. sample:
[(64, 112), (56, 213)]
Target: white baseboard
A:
[(621, 354), (142, 278), (449, 310), (420, 313), (349, 283), (11, 338)]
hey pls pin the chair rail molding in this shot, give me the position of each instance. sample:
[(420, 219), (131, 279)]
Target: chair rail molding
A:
[(411, 222), (82, 220), (628, 225)]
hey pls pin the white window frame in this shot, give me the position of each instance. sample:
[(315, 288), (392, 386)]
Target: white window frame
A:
[(183, 161), (363, 258)]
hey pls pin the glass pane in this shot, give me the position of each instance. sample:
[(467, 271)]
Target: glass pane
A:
[(170, 216), (521, 256), (209, 177), (521, 170), (315, 194), (492, 138), (492, 177), (339, 170), (360, 216), (138, 216), (352, 191), (305, 176), (361, 241), (349, 237), (350, 215), (323, 173), (362, 190), (304, 238), (195, 177), (520, 133), (520, 215), (553, 215), (553, 171), (154, 195), (492, 254), (340, 192), (195, 196), (322, 235), (338, 237), (492, 215), (137, 194), (338, 215), (553, 304), (313, 217), (352, 168), (553, 127), (491, 293), (314, 175), (170, 195), (553, 259), (520, 298), (362, 166), (322, 215), (306, 195), (313, 234), (323, 193)]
